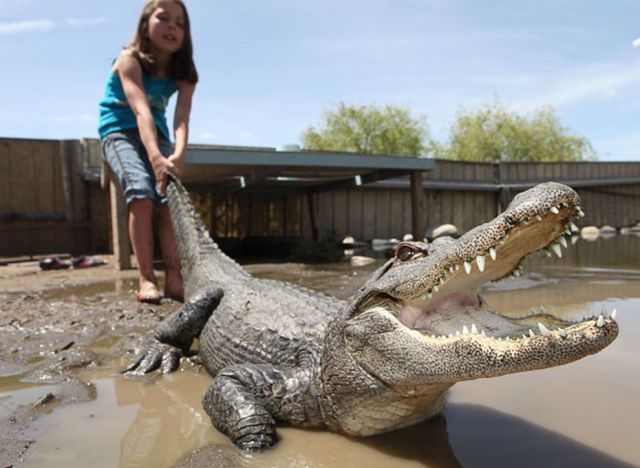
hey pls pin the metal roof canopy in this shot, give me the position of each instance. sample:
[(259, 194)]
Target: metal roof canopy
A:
[(228, 170)]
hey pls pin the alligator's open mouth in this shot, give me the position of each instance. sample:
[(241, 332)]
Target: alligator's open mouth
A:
[(443, 305)]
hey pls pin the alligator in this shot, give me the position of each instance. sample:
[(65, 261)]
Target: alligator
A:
[(381, 360)]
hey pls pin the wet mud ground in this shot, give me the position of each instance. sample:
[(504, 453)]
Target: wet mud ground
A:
[(65, 335)]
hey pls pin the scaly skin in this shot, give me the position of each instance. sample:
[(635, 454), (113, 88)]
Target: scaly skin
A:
[(381, 360)]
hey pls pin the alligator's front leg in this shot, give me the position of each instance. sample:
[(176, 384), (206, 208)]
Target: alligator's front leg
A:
[(175, 334), (245, 400)]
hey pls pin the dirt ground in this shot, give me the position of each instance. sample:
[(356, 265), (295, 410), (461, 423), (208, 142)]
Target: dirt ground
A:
[(49, 321)]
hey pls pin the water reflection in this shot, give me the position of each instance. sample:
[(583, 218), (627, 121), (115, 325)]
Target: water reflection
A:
[(166, 408)]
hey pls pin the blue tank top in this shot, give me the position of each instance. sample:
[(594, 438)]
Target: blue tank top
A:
[(115, 113)]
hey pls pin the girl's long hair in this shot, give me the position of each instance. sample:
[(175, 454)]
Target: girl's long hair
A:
[(181, 66)]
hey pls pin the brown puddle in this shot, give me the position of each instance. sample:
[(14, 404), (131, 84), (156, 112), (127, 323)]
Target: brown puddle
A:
[(582, 414)]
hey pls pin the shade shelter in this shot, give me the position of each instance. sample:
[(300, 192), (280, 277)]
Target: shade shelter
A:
[(227, 169)]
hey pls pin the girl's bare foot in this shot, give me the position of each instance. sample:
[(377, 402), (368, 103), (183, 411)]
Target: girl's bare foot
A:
[(173, 288), (148, 292)]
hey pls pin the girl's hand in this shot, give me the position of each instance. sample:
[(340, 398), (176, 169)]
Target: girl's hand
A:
[(178, 164), (161, 166)]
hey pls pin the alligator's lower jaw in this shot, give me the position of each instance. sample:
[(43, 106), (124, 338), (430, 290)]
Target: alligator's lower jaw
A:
[(541, 335)]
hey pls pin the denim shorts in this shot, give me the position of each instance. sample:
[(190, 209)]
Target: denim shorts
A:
[(127, 157)]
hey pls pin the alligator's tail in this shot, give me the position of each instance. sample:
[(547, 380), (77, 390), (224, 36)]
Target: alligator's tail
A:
[(198, 252)]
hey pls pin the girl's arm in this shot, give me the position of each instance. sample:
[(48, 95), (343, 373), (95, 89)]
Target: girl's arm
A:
[(181, 125), (130, 74)]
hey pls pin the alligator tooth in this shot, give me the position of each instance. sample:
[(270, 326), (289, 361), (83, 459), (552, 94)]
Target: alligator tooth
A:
[(483, 334), (534, 311), (524, 336), (562, 332), (580, 212), (465, 330), (557, 250), (554, 210), (539, 218), (531, 334), (614, 314), (543, 310), (516, 273), (450, 335), (467, 267), (436, 288), (600, 322), (507, 339), (567, 230), (441, 280), (563, 241), (452, 269), (480, 260), (544, 330), (457, 332), (493, 253), (474, 329)]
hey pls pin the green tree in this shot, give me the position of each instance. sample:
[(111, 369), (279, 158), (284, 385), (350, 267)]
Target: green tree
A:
[(388, 130), (494, 134)]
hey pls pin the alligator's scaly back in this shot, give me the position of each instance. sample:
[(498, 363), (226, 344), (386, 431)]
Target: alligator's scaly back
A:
[(198, 252)]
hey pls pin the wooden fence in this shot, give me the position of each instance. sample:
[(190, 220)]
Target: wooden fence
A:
[(45, 205), (461, 193), (51, 201)]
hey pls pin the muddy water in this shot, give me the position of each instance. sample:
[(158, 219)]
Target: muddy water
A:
[(583, 414)]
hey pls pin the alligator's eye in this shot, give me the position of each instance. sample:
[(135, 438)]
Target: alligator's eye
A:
[(406, 252)]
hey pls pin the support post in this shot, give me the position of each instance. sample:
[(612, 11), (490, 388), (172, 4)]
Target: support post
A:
[(119, 230), (315, 235), (417, 206)]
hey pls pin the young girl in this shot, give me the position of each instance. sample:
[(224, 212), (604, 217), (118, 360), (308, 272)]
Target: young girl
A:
[(135, 137)]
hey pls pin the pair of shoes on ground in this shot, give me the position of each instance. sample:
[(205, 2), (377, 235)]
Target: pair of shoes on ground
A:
[(84, 261)]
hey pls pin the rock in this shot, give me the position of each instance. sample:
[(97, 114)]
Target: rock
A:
[(590, 233), (360, 260), (407, 237), (348, 240), (441, 230)]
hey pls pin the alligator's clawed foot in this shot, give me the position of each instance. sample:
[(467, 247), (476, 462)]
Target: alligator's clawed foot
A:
[(155, 355)]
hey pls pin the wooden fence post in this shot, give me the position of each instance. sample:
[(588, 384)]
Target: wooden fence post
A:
[(118, 215), (418, 227)]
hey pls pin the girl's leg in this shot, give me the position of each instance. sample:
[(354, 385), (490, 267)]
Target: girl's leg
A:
[(173, 280), (141, 234)]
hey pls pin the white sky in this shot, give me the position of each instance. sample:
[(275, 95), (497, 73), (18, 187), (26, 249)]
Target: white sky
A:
[(270, 68)]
